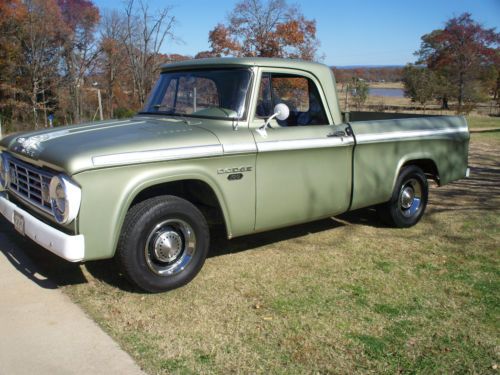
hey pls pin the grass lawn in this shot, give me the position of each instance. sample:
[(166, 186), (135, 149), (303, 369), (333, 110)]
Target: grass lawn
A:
[(483, 122), (344, 295)]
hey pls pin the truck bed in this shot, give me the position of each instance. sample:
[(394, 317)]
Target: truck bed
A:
[(385, 142)]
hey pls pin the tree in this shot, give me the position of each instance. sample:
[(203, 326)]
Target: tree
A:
[(113, 53), (11, 14), (145, 35), (268, 29), (359, 91), (421, 84), (459, 52), (80, 49), (40, 45)]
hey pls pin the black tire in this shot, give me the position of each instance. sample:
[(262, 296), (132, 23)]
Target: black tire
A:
[(163, 243), (408, 201)]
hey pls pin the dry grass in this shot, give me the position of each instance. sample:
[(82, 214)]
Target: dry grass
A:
[(344, 295)]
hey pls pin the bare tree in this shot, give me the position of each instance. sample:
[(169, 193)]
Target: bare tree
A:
[(80, 47), (112, 36), (146, 33)]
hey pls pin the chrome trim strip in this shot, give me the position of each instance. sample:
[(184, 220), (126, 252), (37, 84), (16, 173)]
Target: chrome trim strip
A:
[(240, 148), (304, 144), (107, 125), (158, 155), (399, 135), (71, 248)]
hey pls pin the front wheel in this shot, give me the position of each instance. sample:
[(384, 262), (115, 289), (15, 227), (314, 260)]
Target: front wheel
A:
[(408, 201), (163, 244)]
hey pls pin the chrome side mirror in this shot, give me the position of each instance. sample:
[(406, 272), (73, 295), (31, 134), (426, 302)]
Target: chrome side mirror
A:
[(281, 112)]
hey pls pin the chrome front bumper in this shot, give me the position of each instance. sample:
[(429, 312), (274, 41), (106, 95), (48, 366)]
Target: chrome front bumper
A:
[(71, 248)]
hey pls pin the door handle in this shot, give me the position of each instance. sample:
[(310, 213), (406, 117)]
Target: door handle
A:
[(339, 133)]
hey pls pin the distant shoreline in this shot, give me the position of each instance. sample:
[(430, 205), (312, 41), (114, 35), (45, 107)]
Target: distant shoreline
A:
[(386, 85)]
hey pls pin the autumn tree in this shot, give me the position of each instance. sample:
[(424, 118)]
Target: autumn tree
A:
[(11, 14), (146, 33), (269, 28), (40, 44), (459, 52)]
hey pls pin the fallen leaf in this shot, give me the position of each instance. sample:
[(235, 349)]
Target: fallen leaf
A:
[(411, 342)]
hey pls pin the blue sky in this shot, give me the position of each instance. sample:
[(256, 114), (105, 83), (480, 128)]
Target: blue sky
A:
[(351, 32)]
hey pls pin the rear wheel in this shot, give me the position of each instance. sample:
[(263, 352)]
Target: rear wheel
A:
[(408, 201), (163, 244)]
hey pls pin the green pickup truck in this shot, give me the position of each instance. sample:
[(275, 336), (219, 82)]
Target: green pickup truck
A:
[(252, 143)]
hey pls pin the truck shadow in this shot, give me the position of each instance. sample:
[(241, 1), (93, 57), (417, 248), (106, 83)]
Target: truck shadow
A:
[(37, 264), (220, 245), (50, 272)]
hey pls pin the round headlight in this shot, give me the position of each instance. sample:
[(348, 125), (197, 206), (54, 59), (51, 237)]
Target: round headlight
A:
[(65, 198), (4, 171)]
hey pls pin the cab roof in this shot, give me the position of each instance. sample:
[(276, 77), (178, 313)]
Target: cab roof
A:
[(245, 62)]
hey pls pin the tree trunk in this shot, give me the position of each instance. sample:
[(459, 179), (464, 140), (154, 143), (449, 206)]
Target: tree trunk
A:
[(33, 104), (461, 87), (444, 102), (497, 87)]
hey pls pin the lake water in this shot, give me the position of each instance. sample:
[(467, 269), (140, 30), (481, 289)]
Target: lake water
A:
[(395, 93)]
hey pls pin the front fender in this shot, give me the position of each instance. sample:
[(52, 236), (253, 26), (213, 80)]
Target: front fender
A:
[(108, 193)]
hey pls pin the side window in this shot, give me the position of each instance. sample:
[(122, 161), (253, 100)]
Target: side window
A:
[(300, 94)]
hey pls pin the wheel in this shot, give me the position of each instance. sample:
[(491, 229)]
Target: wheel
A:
[(163, 244), (408, 201)]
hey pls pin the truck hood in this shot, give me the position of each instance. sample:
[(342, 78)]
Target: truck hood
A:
[(77, 148)]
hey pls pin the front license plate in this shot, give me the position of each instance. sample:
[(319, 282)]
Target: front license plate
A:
[(19, 222)]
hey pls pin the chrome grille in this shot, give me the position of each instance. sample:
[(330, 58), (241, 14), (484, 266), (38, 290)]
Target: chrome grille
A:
[(30, 183)]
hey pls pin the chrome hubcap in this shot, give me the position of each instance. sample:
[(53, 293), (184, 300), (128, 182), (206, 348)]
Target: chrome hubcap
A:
[(410, 198), (407, 197), (170, 247)]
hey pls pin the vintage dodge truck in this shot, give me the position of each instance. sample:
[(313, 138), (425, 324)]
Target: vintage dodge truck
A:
[(252, 143)]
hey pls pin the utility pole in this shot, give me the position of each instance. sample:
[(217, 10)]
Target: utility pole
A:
[(100, 103)]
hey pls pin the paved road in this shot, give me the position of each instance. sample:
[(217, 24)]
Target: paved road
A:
[(41, 330)]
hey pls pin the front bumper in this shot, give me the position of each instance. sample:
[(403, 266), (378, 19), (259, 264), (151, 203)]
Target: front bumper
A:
[(71, 248)]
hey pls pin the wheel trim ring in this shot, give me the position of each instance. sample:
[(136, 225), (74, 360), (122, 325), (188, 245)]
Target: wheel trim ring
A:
[(410, 198), (186, 232)]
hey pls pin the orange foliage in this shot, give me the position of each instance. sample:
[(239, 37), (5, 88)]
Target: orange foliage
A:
[(269, 29)]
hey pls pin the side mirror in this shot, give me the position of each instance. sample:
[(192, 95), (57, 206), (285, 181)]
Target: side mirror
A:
[(281, 112)]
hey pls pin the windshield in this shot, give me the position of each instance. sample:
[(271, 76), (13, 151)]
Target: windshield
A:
[(213, 93)]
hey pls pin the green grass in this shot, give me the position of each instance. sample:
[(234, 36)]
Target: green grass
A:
[(327, 297), (483, 122)]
